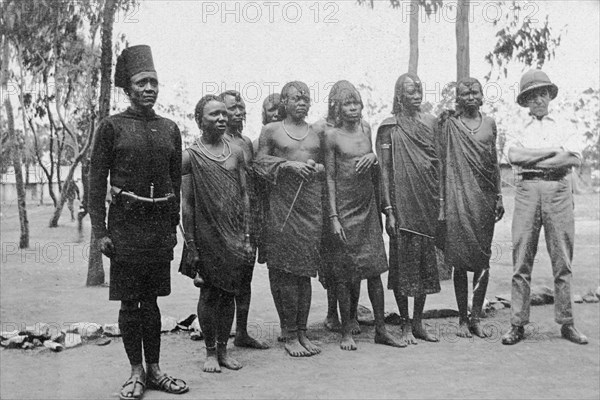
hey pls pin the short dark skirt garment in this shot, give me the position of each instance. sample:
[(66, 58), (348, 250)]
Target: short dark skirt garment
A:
[(139, 280)]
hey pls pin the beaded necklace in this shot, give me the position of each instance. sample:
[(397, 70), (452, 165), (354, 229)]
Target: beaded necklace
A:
[(472, 131), (292, 136), (219, 158)]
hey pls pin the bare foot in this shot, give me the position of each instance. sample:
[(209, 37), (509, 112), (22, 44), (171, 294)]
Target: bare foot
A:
[(227, 361), (347, 342), (245, 340), (312, 349), (463, 330), (295, 349), (332, 323), (382, 336), (476, 329), (212, 363), (407, 334), (355, 327), (421, 333)]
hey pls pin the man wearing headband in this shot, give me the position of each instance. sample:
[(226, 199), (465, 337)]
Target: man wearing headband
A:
[(142, 153), (290, 158)]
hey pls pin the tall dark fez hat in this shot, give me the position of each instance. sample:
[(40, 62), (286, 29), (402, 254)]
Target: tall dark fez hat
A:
[(131, 61)]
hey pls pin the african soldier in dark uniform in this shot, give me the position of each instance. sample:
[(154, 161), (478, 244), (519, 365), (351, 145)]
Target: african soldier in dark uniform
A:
[(142, 153)]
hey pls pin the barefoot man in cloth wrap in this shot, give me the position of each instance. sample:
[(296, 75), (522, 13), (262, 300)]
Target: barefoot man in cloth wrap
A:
[(290, 157), (216, 213), (410, 175), (332, 320), (470, 198), (236, 115), (141, 152), (358, 251)]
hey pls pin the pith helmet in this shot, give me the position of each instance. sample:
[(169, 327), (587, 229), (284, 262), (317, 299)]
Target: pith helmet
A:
[(531, 80)]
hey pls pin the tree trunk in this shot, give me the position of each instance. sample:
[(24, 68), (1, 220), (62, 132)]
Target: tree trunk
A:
[(85, 171), (14, 152), (50, 146), (61, 202), (95, 269), (64, 192), (16, 160), (462, 40), (413, 59), (106, 58)]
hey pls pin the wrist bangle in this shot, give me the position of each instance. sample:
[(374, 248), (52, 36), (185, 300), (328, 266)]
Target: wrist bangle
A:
[(441, 199), (247, 235), (387, 208), (333, 216)]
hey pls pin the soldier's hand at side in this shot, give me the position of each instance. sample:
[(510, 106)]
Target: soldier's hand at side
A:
[(390, 224), (499, 209), (365, 163), (301, 169), (338, 230), (106, 246)]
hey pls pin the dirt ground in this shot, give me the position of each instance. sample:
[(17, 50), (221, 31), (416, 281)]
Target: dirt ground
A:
[(47, 284)]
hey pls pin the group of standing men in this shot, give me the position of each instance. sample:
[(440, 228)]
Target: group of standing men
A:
[(310, 197)]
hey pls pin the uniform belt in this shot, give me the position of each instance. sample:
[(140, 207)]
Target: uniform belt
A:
[(132, 197), (542, 176), (133, 204)]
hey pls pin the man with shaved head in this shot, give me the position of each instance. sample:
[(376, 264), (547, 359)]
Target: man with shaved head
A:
[(470, 198), (290, 158)]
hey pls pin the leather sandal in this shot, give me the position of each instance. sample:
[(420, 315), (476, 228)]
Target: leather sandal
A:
[(133, 381), (168, 384)]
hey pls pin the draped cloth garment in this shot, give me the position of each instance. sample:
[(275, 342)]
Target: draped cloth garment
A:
[(293, 247), (470, 183), (415, 166), (415, 199), (357, 203), (218, 221)]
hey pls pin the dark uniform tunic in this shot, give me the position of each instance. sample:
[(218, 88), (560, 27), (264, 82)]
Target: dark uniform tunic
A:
[(138, 150)]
